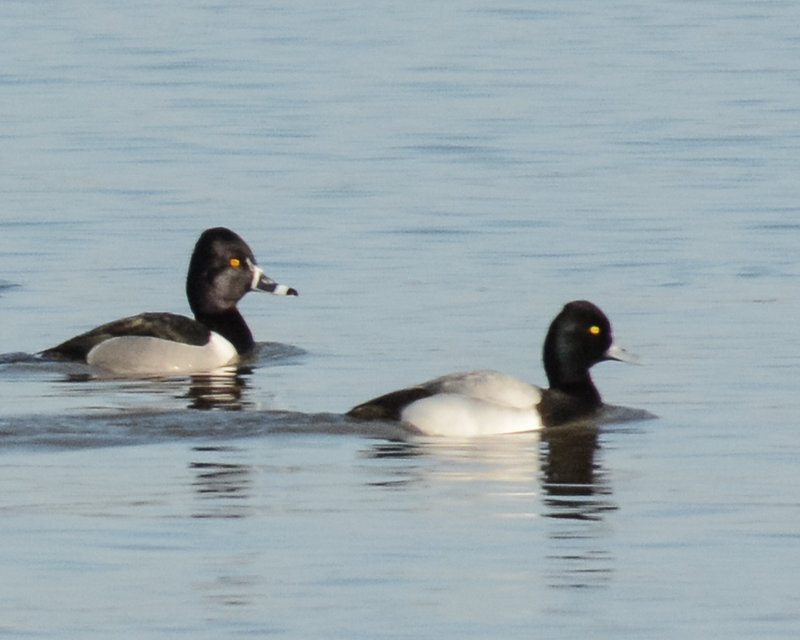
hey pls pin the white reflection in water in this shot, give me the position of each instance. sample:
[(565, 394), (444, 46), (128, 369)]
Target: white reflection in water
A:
[(554, 481)]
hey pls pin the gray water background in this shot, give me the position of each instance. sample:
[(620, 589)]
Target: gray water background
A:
[(436, 180)]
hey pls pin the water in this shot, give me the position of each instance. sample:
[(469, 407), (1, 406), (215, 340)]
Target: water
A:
[(436, 181)]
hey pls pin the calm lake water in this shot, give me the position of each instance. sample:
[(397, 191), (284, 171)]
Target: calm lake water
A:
[(436, 180)]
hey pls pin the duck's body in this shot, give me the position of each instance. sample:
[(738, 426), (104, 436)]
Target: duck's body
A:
[(486, 402), (222, 270)]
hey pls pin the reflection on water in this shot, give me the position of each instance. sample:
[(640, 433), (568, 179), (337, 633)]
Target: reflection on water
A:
[(490, 464), (49, 382), (223, 489), (572, 480), (401, 463), (553, 480), (224, 389), (556, 475), (569, 458), (577, 497)]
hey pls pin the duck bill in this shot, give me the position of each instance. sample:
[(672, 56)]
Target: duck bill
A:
[(262, 282), (615, 352)]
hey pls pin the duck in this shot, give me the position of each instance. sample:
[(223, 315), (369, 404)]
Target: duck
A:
[(222, 270), (487, 402)]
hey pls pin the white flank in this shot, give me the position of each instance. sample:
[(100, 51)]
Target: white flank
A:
[(448, 414), (141, 355)]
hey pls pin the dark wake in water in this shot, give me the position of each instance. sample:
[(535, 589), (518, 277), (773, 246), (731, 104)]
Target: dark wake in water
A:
[(216, 407), (5, 284), (136, 427), (75, 431)]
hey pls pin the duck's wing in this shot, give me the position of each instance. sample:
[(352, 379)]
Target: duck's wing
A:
[(485, 385), (166, 326), (388, 406), (490, 386)]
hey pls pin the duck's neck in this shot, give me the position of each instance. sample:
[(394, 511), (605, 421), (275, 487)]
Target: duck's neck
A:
[(572, 393), (231, 326), (566, 401)]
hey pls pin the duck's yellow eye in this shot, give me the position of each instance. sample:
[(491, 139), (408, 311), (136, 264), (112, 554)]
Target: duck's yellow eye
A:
[(594, 330), (235, 262)]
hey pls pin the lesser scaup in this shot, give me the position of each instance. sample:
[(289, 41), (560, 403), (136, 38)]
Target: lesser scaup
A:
[(475, 403), (221, 271)]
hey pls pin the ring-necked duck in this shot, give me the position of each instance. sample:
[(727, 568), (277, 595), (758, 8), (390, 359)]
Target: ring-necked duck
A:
[(221, 271), (489, 402)]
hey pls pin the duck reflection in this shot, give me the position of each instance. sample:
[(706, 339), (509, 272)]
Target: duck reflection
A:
[(222, 489), (554, 480), (222, 389), (572, 479), (562, 461), (576, 496)]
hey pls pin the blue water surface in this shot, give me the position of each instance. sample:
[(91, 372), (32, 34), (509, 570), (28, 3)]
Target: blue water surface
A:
[(436, 180)]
